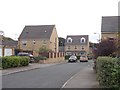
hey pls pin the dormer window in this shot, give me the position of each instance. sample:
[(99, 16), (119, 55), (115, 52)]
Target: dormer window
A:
[(82, 40), (69, 40)]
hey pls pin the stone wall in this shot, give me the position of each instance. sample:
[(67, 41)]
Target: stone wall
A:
[(54, 58)]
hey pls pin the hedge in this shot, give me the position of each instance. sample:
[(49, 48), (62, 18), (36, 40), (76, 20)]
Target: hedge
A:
[(108, 72), (14, 61), (37, 58)]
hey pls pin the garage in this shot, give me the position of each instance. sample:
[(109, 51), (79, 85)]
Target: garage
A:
[(7, 51)]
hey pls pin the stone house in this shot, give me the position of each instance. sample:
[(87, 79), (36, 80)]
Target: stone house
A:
[(35, 36), (77, 44), (109, 27)]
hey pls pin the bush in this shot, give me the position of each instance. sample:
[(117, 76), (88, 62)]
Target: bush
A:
[(67, 57), (108, 72), (37, 58), (14, 61)]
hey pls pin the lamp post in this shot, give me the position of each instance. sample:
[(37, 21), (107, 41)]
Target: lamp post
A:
[(2, 34)]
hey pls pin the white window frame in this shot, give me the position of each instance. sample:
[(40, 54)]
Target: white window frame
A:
[(69, 40), (81, 40)]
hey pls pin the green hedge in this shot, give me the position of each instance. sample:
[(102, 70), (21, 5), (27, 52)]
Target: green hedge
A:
[(14, 61), (108, 72), (37, 58)]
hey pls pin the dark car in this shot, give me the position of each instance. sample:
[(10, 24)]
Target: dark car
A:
[(31, 58), (72, 58)]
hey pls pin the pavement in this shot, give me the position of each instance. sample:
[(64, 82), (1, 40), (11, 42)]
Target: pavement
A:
[(86, 78), (83, 79)]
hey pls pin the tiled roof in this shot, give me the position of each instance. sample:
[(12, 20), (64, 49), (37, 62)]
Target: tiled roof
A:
[(110, 23), (9, 43), (37, 32), (76, 39)]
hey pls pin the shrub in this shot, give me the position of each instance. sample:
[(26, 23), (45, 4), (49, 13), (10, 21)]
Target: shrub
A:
[(108, 71), (37, 58), (67, 57), (14, 61), (105, 48)]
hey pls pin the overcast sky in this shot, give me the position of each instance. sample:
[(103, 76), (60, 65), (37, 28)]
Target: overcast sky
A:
[(71, 17)]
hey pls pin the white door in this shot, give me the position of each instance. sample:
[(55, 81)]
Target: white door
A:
[(8, 52), (0, 52)]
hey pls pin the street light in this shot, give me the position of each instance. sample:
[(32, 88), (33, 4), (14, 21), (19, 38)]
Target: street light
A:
[(99, 37), (1, 42)]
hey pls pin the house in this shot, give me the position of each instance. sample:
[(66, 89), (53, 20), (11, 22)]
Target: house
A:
[(109, 27), (7, 46), (36, 36), (61, 44), (77, 44)]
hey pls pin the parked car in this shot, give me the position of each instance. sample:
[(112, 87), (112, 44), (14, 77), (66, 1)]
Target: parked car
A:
[(83, 59), (31, 58), (72, 58)]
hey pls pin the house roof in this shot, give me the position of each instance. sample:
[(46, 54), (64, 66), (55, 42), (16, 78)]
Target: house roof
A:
[(76, 39), (9, 43), (37, 32), (110, 23)]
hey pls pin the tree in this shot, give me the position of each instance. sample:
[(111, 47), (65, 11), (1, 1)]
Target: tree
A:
[(105, 48), (44, 49)]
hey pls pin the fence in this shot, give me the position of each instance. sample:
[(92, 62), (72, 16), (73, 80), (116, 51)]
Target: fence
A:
[(53, 57)]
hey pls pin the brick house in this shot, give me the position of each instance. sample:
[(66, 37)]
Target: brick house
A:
[(35, 36), (77, 44)]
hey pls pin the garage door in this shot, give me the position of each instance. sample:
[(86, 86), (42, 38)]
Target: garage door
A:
[(0, 52), (8, 52)]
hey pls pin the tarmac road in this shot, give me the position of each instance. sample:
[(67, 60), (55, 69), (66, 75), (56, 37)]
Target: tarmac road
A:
[(48, 77)]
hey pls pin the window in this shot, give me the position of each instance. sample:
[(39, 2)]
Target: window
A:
[(69, 40), (68, 53), (34, 42), (82, 40), (82, 48), (68, 47), (24, 43), (75, 47)]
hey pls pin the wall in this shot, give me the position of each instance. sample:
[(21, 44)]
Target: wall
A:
[(106, 35), (53, 58), (79, 48), (54, 41), (34, 47)]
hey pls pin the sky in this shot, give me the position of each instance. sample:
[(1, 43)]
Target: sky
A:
[(71, 17)]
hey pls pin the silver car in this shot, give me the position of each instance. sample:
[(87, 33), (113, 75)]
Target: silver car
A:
[(72, 58)]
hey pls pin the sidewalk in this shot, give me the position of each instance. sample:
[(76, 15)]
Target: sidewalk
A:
[(84, 79), (26, 68)]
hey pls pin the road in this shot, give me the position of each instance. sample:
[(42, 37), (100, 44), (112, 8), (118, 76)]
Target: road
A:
[(48, 77)]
